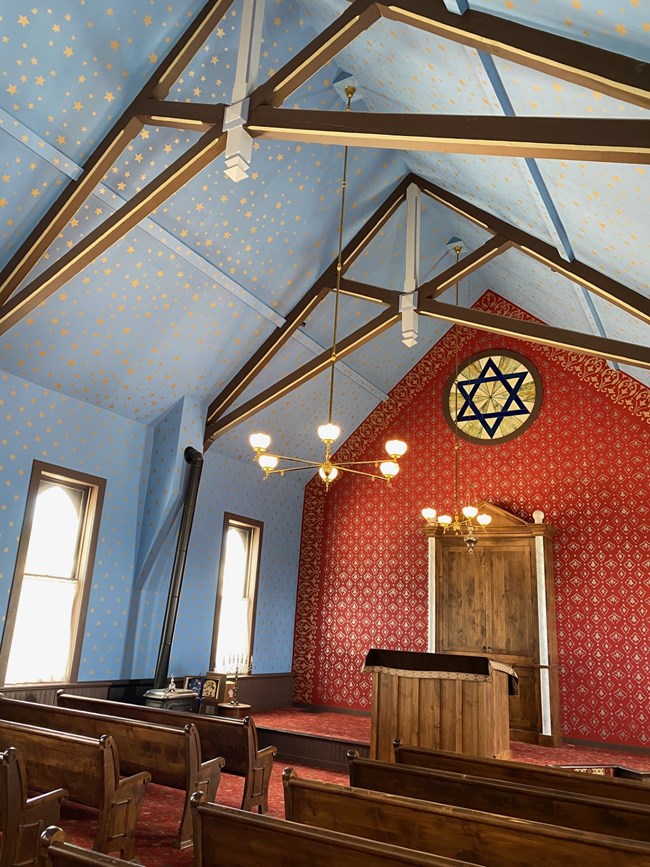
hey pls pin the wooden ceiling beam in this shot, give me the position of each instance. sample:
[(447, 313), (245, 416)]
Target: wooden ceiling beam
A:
[(464, 267), (182, 170), (618, 76), (296, 317), (187, 46), (317, 54), (600, 284), (107, 152), (378, 294), (308, 371), (562, 338), (196, 116), (619, 140), (59, 214), (271, 346), (374, 224)]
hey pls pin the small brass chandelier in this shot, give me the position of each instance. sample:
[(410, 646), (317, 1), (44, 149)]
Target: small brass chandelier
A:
[(462, 520), (328, 470)]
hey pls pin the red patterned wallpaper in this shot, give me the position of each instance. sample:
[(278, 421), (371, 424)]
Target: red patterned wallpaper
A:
[(584, 462)]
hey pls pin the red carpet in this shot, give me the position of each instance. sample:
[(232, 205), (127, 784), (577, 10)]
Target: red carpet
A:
[(162, 807), (161, 814)]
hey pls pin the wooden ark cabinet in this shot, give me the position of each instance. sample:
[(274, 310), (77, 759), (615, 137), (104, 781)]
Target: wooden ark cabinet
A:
[(500, 600)]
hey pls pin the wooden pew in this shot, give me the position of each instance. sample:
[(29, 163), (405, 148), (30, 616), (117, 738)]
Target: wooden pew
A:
[(89, 769), (234, 739), (22, 819), (227, 836), (454, 832), (55, 852), (519, 800), (172, 756), (522, 772)]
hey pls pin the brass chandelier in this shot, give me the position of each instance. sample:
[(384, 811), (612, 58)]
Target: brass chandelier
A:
[(461, 522), (329, 470)]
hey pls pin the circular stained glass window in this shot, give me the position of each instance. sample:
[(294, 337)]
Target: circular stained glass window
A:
[(496, 397)]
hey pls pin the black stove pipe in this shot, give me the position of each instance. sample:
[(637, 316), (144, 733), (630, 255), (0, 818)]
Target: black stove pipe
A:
[(195, 459)]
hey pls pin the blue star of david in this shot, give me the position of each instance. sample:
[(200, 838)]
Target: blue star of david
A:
[(513, 405)]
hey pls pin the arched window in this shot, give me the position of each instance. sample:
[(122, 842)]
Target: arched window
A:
[(46, 608)]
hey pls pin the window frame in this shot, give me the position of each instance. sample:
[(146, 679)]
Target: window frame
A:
[(254, 564), (94, 488)]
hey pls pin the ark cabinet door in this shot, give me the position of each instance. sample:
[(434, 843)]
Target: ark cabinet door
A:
[(461, 603), (512, 601)]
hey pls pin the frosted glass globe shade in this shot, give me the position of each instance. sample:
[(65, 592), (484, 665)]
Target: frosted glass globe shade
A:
[(396, 448), (330, 475), (260, 441), (267, 462), (389, 469), (329, 432), (470, 511), (445, 520), (484, 520)]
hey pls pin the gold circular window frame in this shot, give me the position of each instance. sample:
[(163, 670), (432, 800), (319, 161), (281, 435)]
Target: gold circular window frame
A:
[(491, 441)]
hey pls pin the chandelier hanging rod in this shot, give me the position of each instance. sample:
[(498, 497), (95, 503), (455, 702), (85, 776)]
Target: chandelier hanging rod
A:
[(329, 470), (461, 522)]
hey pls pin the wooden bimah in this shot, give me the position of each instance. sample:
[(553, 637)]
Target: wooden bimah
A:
[(441, 701)]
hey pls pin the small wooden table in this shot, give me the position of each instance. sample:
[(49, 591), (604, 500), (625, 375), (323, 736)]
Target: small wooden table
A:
[(235, 711)]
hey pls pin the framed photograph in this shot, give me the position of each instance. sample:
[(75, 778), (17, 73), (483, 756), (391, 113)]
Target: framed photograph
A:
[(214, 686), (193, 682)]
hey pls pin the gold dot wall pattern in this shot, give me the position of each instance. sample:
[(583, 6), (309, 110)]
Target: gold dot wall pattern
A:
[(236, 486), (583, 461), (40, 424)]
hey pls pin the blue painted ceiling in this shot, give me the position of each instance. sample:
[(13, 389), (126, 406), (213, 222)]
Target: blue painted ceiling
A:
[(182, 301)]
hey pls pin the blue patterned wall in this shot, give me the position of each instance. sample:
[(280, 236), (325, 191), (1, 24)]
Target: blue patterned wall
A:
[(234, 486), (146, 464), (43, 425)]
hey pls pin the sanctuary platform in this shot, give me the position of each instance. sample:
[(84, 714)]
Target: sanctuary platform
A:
[(321, 739)]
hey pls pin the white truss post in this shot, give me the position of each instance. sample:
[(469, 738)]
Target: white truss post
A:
[(239, 144), (407, 301)]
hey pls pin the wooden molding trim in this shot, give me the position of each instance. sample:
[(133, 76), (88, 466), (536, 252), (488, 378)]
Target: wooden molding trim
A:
[(619, 140), (312, 368), (623, 78), (595, 281), (108, 150), (562, 338)]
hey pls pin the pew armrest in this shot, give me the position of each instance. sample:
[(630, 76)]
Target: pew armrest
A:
[(210, 773), (122, 811), (45, 807), (205, 782), (266, 755), (256, 783)]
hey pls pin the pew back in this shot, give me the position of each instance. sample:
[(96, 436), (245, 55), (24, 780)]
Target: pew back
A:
[(87, 767), (455, 832), (161, 750), (521, 772), (22, 818), (250, 840), (234, 739), (90, 771), (171, 756), (585, 812)]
